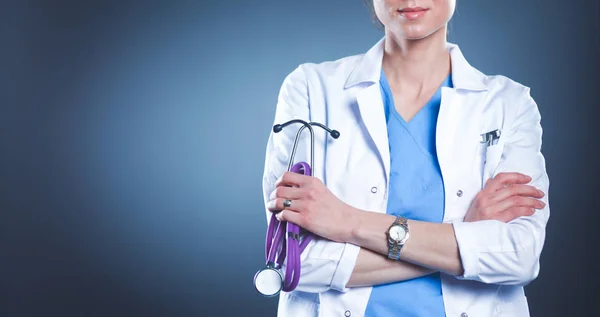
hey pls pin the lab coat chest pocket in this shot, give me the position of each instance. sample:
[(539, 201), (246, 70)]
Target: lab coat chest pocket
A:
[(491, 156), (298, 304), (491, 142)]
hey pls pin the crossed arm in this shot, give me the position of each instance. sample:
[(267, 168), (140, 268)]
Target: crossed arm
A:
[(432, 246)]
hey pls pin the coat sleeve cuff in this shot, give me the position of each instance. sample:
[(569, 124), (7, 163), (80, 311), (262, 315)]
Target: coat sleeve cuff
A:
[(345, 267), (468, 249)]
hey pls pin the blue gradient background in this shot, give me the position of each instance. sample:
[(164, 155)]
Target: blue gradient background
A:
[(133, 136)]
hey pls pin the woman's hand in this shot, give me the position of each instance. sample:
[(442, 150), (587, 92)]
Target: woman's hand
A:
[(313, 206), (505, 198)]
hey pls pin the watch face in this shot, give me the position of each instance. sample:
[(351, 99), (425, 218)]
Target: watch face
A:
[(397, 233)]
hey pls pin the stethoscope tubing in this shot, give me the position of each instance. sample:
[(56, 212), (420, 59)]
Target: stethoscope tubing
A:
[(291, 248), (276, 251)]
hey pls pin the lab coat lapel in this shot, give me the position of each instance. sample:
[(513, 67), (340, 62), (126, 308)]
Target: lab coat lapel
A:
[(457, 129), (457, 145), (458, 126), (460, 112), (365, 77), (447, 129), (372, 112)]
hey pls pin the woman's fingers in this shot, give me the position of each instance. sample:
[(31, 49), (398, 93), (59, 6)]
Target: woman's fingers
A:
[(290, 216), (514, 213), (505, 198), (294, 180), (285, 213), (516, 202), (504, 179), (517, 190), (278, 204), (286, 192)]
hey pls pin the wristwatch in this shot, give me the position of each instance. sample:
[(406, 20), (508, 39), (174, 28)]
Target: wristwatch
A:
[(397, 235)]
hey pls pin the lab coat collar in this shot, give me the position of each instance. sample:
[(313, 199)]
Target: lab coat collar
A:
[(464, 76)]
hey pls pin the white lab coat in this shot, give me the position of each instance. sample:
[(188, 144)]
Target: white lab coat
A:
[(499, 259)]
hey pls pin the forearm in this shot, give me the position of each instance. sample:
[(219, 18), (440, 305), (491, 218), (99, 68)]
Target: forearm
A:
[(431, 245), (374, 269)]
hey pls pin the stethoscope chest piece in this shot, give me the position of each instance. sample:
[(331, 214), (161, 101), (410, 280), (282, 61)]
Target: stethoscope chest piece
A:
[(268, 281)]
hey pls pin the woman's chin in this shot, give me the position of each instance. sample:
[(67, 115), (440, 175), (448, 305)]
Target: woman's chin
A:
[(414, 32)]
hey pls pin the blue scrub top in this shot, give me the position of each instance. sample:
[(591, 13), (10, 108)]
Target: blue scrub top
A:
[(416, 192)]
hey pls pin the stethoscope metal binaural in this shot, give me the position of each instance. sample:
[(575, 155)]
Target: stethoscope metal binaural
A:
[(269, 281)]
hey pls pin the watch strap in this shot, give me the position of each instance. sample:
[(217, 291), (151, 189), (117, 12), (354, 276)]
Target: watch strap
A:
[(394, 251)]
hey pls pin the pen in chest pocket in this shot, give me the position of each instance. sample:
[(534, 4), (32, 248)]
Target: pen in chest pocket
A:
[(490, 138), (487, 139)]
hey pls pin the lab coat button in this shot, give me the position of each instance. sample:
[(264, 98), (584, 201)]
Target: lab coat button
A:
[(464, 315), (459, 193), (347, 313), (373, 189)]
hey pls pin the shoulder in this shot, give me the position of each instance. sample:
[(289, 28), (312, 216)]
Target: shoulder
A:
[(341, 67), (512, 98), (330, 71), (469, 77), (506, 87), (312, 81), (497, 86)]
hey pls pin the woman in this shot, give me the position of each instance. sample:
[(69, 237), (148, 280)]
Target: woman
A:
[(432, 201)]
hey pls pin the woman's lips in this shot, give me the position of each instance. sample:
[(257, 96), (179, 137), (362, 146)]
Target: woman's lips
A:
[(412, 13)]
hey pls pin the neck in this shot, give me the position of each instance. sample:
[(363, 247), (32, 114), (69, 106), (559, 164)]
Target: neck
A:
[(415, 65)]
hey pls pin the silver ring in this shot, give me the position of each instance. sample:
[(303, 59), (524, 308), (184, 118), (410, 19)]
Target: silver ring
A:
[(287, 203)]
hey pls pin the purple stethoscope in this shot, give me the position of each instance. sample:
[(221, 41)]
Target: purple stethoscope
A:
[(269, 281)]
